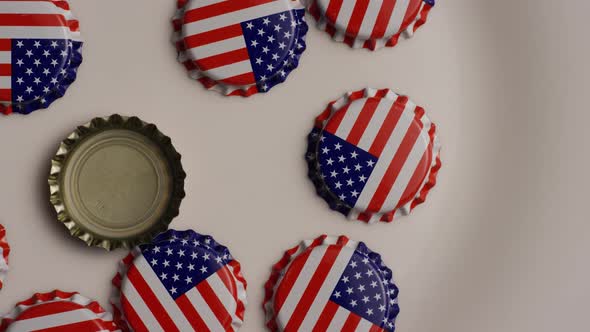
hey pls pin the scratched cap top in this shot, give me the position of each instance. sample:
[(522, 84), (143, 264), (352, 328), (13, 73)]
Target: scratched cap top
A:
[(240, 47), (40, 52), (370, 24), (331, 284), (116, 182)]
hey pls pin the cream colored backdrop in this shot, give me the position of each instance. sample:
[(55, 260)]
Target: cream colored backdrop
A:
[(502, 243)]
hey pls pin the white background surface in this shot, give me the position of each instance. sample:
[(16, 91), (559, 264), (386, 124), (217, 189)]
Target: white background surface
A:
[(502, 242)]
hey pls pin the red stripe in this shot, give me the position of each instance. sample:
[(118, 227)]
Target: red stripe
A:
[(383, 18), (223, 59), (213, 36), (150, 299), (191, 314), (396, 165), (220, 8), (48, 309), (336, 119), (363, 120), (241, 308), (216, 305), (312, 289), (333, 10), (5, 69), (356, 19), (46, 20), (351, 323), (388, 126), (417, 178), (5, 95), (326, 316), (5, 44), (132, 316), (375, 328), (85, 326), (242, 79), (411, 13)]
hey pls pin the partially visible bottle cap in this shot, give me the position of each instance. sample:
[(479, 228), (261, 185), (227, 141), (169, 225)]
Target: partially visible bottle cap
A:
[(4, 252), (373, 155), (116, 181), (182, 281), (58, 311), (40, 52), (331, 284), (240, 47), (370, 24)]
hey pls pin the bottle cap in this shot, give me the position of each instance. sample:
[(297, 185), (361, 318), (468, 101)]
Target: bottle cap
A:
[(240, 47), (40, 52), (182, 281), (58, 311), (116, 182), (373, 155), (4, 252), (331, 284), (370, 24)]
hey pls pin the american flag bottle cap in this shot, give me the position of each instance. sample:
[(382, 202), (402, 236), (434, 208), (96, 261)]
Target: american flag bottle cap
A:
[(331, 284), (238, 47), (182, 281), (40, 52), (370, 24), (4, 252), (373, 155), (58, 311)]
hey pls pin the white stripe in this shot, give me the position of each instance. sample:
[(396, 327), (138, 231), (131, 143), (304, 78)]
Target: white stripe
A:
[(5, 57), (311, 265), (54, 320), (38, 32), (234, 69), (387, 155), (364, 326), (407, 170), (32, 7), (344, 15), (201, 3), (338, 320), (236, 17), (350, 118), (219, 47), (397, 18), (5, 82), (370, 18), (375, 123), (204, 310), (142, 310), (224, 295), (162, 294), (327, 288)]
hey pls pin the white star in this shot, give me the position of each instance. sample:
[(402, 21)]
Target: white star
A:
[(156, 249), (54, 62), (249, 25), (175, 277), (46, 53), (265, 87), (180, 253), (353, 264), (265, 49), (366, 260), (362, 178), (361, 288), (369, 312), (29, 71), (54, 81), (330, 161), (338, 185), (203, 269), (191, 267), (338, 146), (166, 263), (271, 39), (19, 99), (353, 154), (46, 71), (178, 265), (184, 242), (374, 284), (37, 62), (382, 308), (20, 62), (325, 150), (346, 170), (29, 90), (282, 45), (349, 182), (365, 299), (194, 255), (342, 197), (206, 257), (64, 53), (333, 174), (287, 35), (188, 280), (163, 276), (173, 290), (369, 273), (353, 303), (266, 21), (196, 243), (169, 251), (370, 163), (354, 193), (275, 56), (218, 260), (357, 167), (29, 53), (377, 297), (261, 32), (37, 44), (357, 275), (337, 295), (263, 78), (259, 61), (277, 27), (345, 280), (341, 159), (282, 17), (270, 67), (20, 80), (19, 44), (54, 44), (349, 290)]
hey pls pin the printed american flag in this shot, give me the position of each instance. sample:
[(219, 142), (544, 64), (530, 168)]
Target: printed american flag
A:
[(183, 283), (336, 285), (374, 154), (38, 42), (370, 24), (4, 252), (244, 43), (58, 311)]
